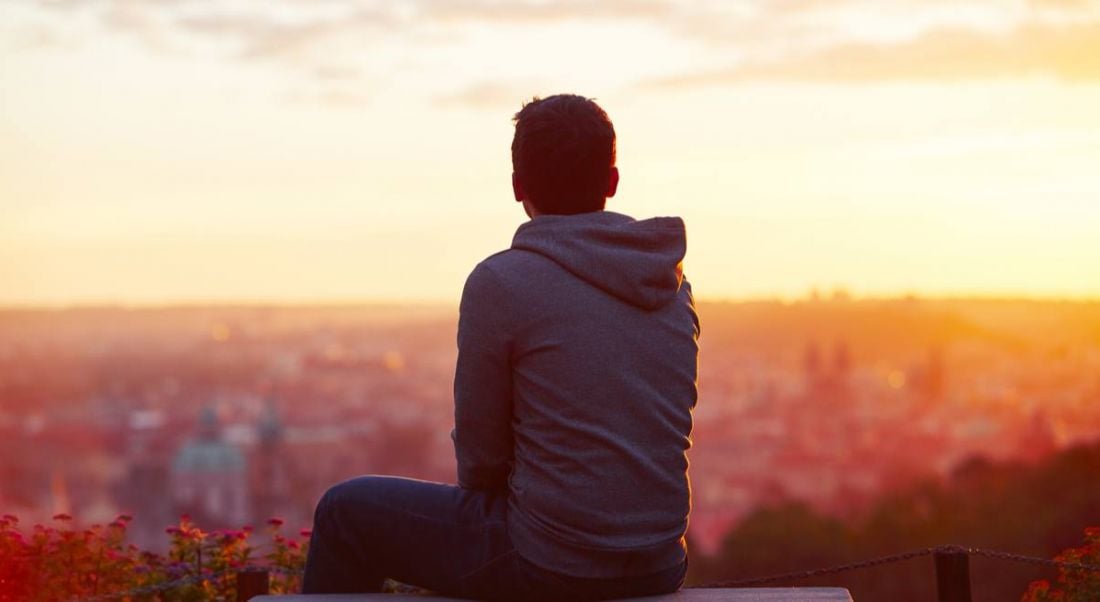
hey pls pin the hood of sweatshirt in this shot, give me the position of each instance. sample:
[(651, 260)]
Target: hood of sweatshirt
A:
[(637, 261)]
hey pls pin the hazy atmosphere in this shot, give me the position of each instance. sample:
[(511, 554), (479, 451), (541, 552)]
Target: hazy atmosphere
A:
[(193, 151), (234, 236)]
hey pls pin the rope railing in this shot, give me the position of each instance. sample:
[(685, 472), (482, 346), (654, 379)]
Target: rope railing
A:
[(952, 574), (893, 558)]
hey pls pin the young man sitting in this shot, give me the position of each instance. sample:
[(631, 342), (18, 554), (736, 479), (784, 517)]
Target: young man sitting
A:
[(574, 387)]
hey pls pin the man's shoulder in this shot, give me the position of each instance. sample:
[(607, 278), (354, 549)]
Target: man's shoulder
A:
[(513, 274), (512, 264)]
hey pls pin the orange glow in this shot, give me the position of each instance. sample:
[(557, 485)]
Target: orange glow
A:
[(896, 379), (246, 153), (219, 333)]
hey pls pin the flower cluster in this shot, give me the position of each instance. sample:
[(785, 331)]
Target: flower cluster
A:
[(1072, 585), (60, 561)]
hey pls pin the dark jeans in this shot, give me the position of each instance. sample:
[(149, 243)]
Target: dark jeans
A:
[(444, 538)]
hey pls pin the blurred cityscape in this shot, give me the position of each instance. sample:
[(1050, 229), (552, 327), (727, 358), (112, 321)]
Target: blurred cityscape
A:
[(237, 414)]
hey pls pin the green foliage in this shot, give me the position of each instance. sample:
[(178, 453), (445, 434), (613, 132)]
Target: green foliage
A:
[(61, 562), (818, 538), (1034, 510), (1072, 585)]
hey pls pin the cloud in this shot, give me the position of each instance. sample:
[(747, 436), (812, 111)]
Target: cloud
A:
[(1064, 4), (1069, 52), (318, 42), (326, 43), (528, 11), (260, 36), (488, 95), (37, 37)]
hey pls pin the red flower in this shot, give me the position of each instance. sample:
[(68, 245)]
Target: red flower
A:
[(306, 532), (62, 516), (275, 522)]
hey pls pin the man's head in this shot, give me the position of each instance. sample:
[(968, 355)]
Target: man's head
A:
[(563, 156)]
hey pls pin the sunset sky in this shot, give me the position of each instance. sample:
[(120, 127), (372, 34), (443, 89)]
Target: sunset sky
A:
[(329, 150)]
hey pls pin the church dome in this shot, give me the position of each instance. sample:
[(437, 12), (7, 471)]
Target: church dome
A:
[(207, 452), (203, 455)]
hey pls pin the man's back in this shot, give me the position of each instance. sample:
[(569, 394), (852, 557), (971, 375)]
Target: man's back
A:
[(590, 324), (574, 386)]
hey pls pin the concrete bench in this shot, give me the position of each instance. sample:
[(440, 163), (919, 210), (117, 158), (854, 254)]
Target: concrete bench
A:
[(749, 594)]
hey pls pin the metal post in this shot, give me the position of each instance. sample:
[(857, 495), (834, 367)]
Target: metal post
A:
[(952, 574), (251, 584)]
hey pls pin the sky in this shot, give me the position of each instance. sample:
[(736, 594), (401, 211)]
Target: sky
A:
[(192, 151)]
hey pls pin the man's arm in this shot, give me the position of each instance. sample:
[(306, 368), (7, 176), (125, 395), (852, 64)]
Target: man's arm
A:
[(483, 385)]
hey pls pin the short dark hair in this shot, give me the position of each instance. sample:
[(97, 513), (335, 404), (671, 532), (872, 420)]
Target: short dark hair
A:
[(563, 151)]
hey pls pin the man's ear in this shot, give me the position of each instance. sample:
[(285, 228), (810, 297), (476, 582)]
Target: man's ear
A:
[(517, 188), (612, 182)]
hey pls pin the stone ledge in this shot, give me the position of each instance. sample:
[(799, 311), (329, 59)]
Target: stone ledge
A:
[(749, 594)]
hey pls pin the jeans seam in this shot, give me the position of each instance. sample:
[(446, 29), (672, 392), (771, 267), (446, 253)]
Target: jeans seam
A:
[(487, 564), (433, 519)]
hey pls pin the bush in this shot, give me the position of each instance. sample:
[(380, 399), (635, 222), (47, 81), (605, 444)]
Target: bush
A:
[(1072, 585), (62, 562)]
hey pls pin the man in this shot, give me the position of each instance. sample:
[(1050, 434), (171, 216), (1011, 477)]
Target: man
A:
[(574, 387)]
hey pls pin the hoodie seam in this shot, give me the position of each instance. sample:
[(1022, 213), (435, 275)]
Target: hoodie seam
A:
[(508, 300)]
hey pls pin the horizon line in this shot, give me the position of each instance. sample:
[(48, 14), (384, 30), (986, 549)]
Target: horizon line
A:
[(412, 304)]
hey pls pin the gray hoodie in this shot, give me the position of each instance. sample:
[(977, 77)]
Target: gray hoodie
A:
[(574, 387)]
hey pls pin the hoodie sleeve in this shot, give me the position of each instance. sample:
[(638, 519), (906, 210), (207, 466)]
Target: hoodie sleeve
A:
[(483, 385)]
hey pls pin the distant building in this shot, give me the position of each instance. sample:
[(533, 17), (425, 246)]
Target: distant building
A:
[(148, 451), (269, 478), (842, 363), (812, 369), (934, 376), (209, 478), (1037, 439), (827, 382)]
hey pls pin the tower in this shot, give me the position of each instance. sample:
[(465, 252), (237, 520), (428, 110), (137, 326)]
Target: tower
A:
[(208, 477), (269, 478)]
